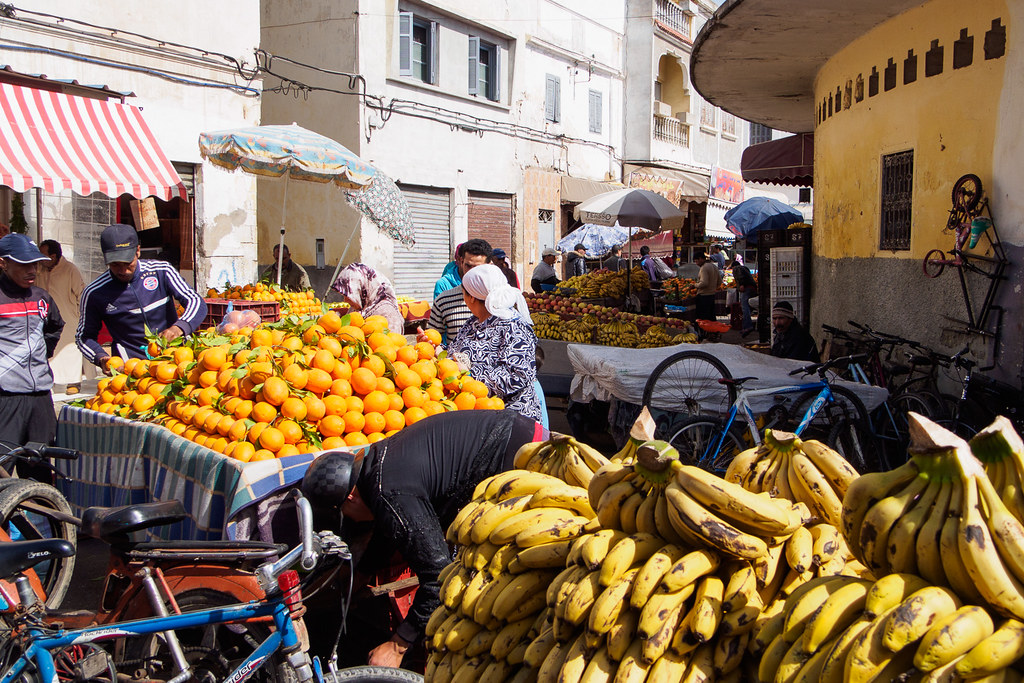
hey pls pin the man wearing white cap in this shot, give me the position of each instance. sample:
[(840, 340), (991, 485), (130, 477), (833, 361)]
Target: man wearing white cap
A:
[(544, 273), (30, 327)]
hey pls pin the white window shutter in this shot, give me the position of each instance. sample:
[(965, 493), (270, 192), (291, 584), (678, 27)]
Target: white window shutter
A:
[(405, 43), (433, 52), (596, 111), (558, 99), (474, 62), (495, 84)]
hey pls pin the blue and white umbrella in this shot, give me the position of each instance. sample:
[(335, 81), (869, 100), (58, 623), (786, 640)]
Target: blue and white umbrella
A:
[(598, 240)]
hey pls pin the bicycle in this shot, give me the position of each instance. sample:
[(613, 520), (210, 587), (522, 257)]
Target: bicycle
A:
[(967, 205), (981, 399), (34, 649), (32, 510), (834, 413)]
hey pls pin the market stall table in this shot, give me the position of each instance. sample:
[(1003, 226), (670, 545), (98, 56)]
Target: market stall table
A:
[(125, 462)]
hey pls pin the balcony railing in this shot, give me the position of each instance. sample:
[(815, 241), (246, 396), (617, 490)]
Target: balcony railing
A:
[(671, 16), (672, 131)]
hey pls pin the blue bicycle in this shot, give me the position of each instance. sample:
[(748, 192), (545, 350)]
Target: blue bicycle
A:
[(226, 643), (830, 413)]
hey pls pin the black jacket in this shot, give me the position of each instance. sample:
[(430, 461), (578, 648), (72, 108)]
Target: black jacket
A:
[(30, 327), (796, 344), (575, 265)]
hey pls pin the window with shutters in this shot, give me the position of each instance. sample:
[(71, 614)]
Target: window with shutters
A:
[(596, 111), (728, 125), (897, 199), (417, 47), (759, 133), (484, 69), (708, 114), (552, 98)]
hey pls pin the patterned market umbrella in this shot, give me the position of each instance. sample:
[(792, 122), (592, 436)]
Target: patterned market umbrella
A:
[(288, 152), (597, 239), (384, 204)]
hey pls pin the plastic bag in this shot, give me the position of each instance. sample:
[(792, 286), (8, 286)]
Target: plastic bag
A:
[(236, 320), (662, 268)]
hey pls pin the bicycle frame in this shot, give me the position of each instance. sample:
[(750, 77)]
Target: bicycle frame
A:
[(284, 637)]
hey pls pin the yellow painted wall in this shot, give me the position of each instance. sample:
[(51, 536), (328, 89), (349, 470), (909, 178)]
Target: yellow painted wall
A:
[(949, 120)]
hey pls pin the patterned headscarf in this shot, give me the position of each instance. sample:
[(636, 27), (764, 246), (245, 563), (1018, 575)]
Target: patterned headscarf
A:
[(487, 283), (371, 290)]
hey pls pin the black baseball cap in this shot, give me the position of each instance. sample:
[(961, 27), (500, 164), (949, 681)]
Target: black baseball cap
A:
[(119, 243), (21, 248)]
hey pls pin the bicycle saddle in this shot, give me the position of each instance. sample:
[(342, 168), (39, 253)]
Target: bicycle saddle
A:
[(735, 381), (113, 525), (17, 556)]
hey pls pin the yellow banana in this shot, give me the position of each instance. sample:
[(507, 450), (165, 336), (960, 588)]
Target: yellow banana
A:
[(465, 529), (782, 488), (995, 653), (479, 556), (572, 498), (823, 497), (523, 484), (473, 591), (879, 520), (927, 547), (437, 617), (902, 540), (483, 607), (824, 542), (595, 550), (629, 510), (741, 587), (728, 653), (1006, 530), (651, 574), (868, 656), (767, 628), (953, 635), (771, 658), (669, 668), (740, 620), (566, 580), (751, 512), (480, 643), (629, 551), (581, 600), (509, 637), (658, 609), (801, 607), (437, 642), (889, 591), (646, 520), (548, 671), (611, 501), (594, 458), (530, 607), (706, 613), (688, 569), (502, 558), (454, 586), (791, 663), (460, 634), (770, 571), (754, 478), (687, 514), (911, 619), (545, 556), (610, 603), (622, 634), (843, 607), (496, 671), (632, 667), (657, 642), (954, 560), (834, 668), (837, 471), (452, 533), (981, 557), (666, 528), (508, 529), (575, 662), (575, 470), (800, 550), (471, 670), (604, 477), (526, 453), (539, 648), (600, 669), (864, 492), (741, 465), (810, 672), (518, 590), (555, 525), (701, 668)]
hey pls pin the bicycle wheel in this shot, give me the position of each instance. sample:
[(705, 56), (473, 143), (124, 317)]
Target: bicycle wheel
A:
[(934, 263), (23, 514), (213, 651), (967, 193), (374, 674), (847, 409), (698, 436), (688, 383), (893, 425), (958, 427)]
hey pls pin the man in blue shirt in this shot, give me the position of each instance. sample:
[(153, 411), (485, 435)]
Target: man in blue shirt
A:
[(133, 298)]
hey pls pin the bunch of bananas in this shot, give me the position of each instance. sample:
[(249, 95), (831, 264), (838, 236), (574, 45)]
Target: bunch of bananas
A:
[(806, 472), (578, 331), (656, 336), (939, 516), (572, 461), (897, 628), (546, 325), (1001, 451), (514, 537), (618, 333)]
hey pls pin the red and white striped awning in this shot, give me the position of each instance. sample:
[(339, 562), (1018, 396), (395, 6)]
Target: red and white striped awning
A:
[(63, 142)]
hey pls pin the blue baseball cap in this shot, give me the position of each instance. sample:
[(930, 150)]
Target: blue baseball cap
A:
[(21, 249), (119, 243), (498, 253)]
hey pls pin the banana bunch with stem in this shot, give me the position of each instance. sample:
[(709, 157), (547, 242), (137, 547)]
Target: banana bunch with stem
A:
[(562, 456), (1001, 450), (786, 466), (515, 536)]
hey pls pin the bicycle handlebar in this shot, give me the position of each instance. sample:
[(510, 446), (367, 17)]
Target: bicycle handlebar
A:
[(822, 368), (306, 553)]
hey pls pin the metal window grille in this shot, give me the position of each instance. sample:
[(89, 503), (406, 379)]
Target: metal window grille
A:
[(897, 195)]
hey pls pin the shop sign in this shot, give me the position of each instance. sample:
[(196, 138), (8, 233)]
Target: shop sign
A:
[(726, 185)]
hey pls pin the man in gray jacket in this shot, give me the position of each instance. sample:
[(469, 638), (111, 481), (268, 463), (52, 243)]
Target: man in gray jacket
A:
[(30, 327)]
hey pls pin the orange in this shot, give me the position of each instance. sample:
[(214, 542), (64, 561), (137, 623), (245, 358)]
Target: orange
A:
[(341, 387), (331, 344), (407, 378), (435, 390), (433, 335), (373, 324), (141, 369), (260, 371), (356, 439), (213, 357), (385, 385), (433, 408), (275, 390), (296, 376), (332, 425), (156, 390), (377, 340), (414, 415), (287, 450), (374, 422), (354, 421), (354, 403), (238, 431), (315, 408), (375, 363), (349, 333), (330, 321), (243, 409), (218, 443), (211, 422), (497, 403), (293, 408), (199, 418), (292, 343), (363, 381), (262, 454), (225, 424), (182, 354), (355, 319), (272, 439), (115, 362), (312, 334), (465, 401), (229, 404), (393, 419), (242, 357), (324, 360), (332, 442), (446, 368), (319, 382), (264, 412), (414, 397), (208, 396), (261, 336), (388, 351), (335, 405), (127, 366), (200, 438), (375, 437), (247, 388), (290, 430), (143, 403), (475, 387), (376, 402), (243, 451), (425, 369), (187, 411), (342, 369), (179, 428), (117, 383), (407, 354), (396, 402), (277, 337), (165, 372), (425, 350), (398, 366)]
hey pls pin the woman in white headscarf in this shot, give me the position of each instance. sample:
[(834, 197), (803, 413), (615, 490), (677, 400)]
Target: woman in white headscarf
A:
[(498, 341)]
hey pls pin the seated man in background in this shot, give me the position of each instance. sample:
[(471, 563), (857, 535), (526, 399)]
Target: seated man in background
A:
[(544, 273), (792, 340)]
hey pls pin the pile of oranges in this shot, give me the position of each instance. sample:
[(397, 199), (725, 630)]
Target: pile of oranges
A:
[(292, 303), (287, 388)]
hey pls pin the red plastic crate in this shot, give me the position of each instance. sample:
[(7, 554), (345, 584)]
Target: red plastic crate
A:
[(216, 309)]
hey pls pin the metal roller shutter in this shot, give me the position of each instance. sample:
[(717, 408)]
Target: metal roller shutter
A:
[(417, 270), (490, 218)]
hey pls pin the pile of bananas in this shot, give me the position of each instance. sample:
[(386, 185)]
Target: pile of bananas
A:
[(579, 331), (514, 538), (657, 336), (546, 325), (897, 628), (940, 516), (571, 461), (617, 333), (787, 467), (605, 284)]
